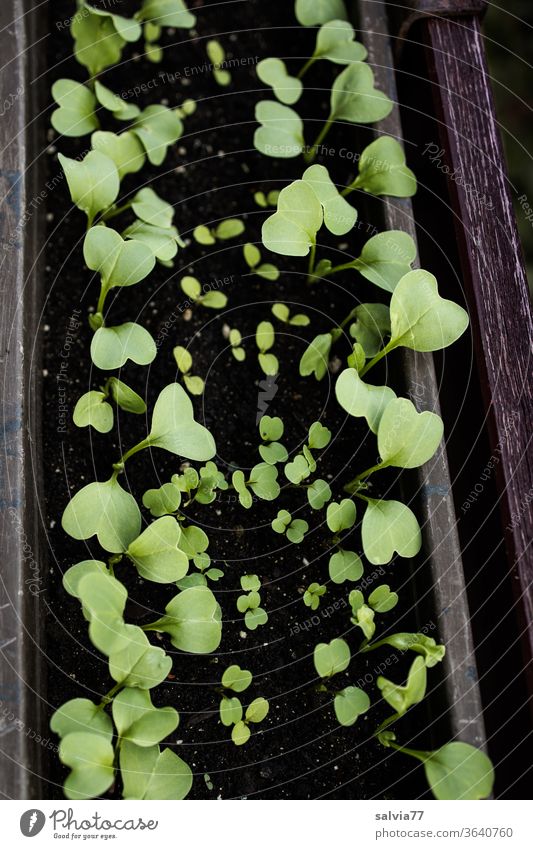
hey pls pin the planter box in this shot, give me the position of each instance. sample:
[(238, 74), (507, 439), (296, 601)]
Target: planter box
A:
[(437, 573)]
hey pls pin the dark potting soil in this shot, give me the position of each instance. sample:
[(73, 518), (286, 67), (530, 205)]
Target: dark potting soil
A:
[(299, 751)]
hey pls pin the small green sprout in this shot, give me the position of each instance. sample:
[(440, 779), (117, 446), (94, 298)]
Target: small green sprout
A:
[(263, 482), (350, 704), (138, 721), (124, 150), (335, 41), (315, 359), (310, 12), (271, 430), (99, 37), (264, 200), (354, 99), (389, 527), (313, 594), (91, 761), (280, 133), (318, 493), (455, 771), (192, 620), (183, 358), (362, 399), (204, 296), (345, 566), (385, 259), (255, 712), (152, 50), (273, 72), (162, 501), (156, 553), (419, 643), (331, 658), (217, 56), (283, 313), (235, 339), (187, 108), (249, 604), (120, 109), (371, 327), (252, 256), (381, 600), (341, 515), (169, 13), (264, 338), (149, 773), (228, 229), (93, 182), (157, 127), (94, 409), (303, 207), (76, 113), (403, 696), (236, 679), (382, 170), (294, 529)]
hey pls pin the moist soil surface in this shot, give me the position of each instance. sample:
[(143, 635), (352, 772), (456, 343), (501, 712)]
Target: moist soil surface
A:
[(299, 751)]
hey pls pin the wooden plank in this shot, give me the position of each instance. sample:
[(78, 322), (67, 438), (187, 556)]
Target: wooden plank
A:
[(495, 282), (22, 577), (441, 542)]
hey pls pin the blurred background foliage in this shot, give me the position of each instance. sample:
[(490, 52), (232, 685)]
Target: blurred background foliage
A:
[(509, 43)]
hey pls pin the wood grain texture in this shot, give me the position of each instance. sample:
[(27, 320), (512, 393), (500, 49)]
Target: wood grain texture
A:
[(436, 508), (495, 282), (21, 581)]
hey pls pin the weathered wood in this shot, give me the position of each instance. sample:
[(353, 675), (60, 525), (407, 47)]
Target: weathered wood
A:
[(404, 15), (21, 689), (441, 543), (495, 282)]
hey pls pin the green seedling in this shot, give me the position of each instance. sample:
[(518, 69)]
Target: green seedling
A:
[(217, 57), (283, 313), (119, 108), (183, 358), (76, 115), (355, 99), (271, 430), (169, 13), (265, 200), (280, 134), (149, 773), (235, 339), (100, 36), (273, 72), (302, 209), (192, 620), (371, 327), (403, 696), (152, 50), (93, 182), (93, 408), (313, 594), (419, 643), (187, 108), (123, 149), (455, 771), (381, 600), (252, 257), (310, 13), (264, 339), (262, 482), (203, 295), (249, 604), (255, 712), (223, 232), (331, 658), (335, 42), (157, 128), (294, 529), (382, 170)]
